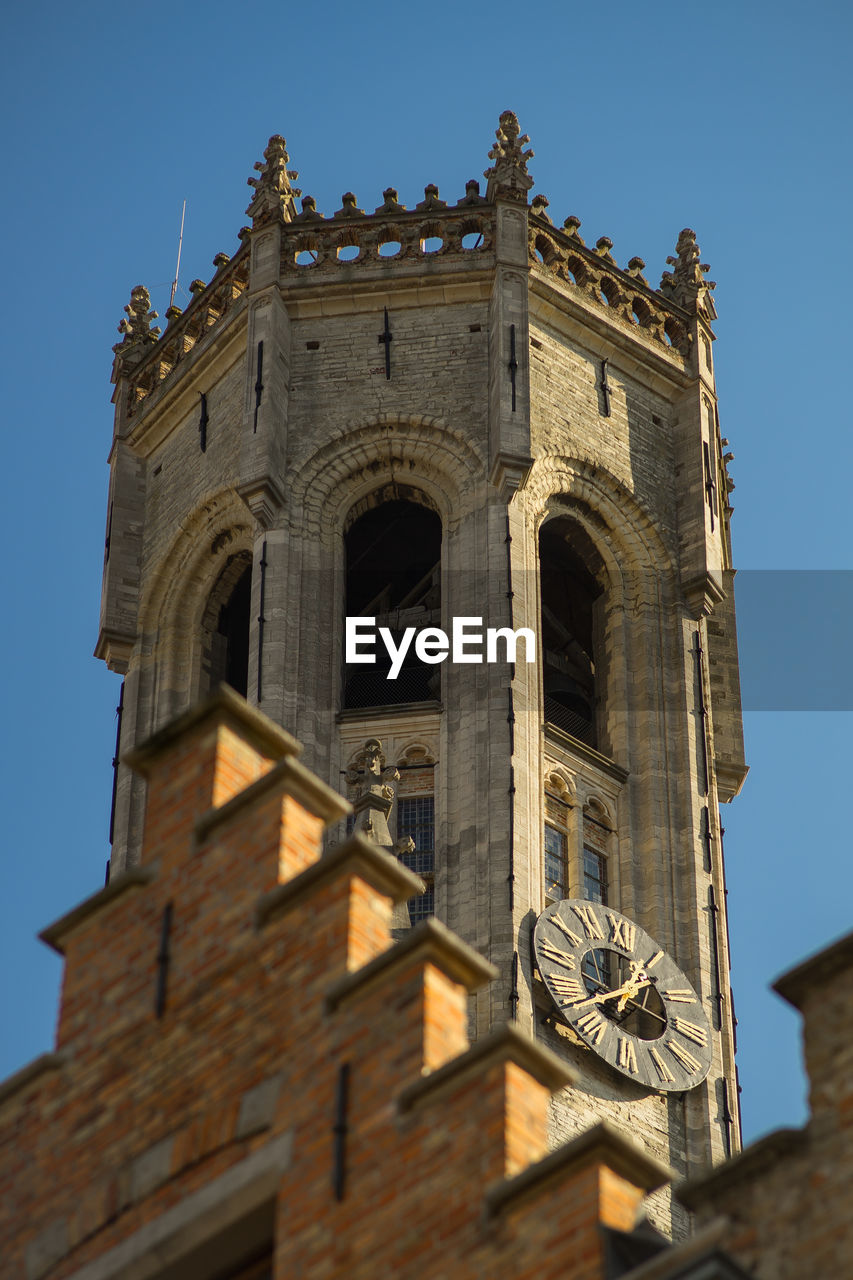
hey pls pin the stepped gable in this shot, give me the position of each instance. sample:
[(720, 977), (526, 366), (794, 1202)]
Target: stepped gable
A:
[(251, 1080)]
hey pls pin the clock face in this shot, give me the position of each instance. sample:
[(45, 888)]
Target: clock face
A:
[(622, 994)]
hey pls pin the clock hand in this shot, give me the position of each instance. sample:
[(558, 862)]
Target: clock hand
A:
[(625, 992)]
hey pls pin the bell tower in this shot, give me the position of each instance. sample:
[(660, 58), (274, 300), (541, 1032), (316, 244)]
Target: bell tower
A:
[(461, 410)]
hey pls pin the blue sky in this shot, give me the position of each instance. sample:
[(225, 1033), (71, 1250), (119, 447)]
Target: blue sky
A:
[(733, 119)]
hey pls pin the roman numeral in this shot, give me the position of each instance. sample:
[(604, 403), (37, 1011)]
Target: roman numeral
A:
[(653, 960), (589, 920), (564, 928), (622, 932), (592, 1025), (557, 954), (686, 1059), (567, 987), (626, 1055), (690, 1030), (662, 1069), (682, 997)]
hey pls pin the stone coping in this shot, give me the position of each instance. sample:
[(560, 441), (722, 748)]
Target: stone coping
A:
[(290, 778), (225, 706), (131, 878), (39, 1066), (593, 757), (357, 714), (819, 969), (429, 942), (166, 1247), (686, 1258), (504, 1044), (358, 856), (757, 1158), (602, 1144)]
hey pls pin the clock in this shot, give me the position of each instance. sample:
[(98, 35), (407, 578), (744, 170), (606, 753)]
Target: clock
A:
[(622, 994)]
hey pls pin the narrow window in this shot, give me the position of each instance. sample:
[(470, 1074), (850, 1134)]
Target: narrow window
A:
[(416, 818), (594, 875), (556, 864), (393, 554), (568, 594), (596, 966), (226, 626), (234, 630)]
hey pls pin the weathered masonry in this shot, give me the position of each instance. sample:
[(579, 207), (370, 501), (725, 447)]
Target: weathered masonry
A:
[(462, 409)]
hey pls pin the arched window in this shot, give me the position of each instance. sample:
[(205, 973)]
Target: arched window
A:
[(225, 628), (393, 555), (569, 591)]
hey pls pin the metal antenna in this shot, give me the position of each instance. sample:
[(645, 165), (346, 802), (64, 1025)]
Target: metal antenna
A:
[(178, 267)]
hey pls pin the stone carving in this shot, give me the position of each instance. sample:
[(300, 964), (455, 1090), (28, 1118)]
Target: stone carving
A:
[(508, 176), (309, 211), (274, 194), (376, 796), (349, 207), (686, 283), (570, 226), (391, 203), (431, 200), (472, 194), (135, 328), (603, 245), (539, 205), (636, 266)]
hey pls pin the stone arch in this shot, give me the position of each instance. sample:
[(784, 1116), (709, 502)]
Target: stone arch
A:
[(617, 525), (419, 453), (626, 554), (416, 753), (561, 782), (213, 545), (597, 808)]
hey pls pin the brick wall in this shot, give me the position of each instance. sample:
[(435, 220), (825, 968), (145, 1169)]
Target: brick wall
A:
[(181, 1142)]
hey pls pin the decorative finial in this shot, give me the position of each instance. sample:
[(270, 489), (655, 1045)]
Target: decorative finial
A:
[(274, 194), (686, 283), (349, 207), (309, 211), (135, 328), (570, 226), (539, 205), (431, 200), (390, 202), (472, 194), (636, 266), (508, 176)]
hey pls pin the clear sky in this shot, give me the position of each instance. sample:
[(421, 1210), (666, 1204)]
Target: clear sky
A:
[(732, 118)]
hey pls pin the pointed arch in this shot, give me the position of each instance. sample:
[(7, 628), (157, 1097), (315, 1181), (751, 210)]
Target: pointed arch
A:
[(189, 586)]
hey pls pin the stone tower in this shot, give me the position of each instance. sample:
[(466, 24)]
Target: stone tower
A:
[(458, 410)]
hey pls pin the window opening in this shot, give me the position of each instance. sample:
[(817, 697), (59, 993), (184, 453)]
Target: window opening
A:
[(569, 592), (225, 628), (416, 818), (556, 864), (234, 629), (393, 555), (594, 875)]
